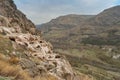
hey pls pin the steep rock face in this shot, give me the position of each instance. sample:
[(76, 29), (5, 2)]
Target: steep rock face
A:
[(15, 17), (40, 58), (33, 54)]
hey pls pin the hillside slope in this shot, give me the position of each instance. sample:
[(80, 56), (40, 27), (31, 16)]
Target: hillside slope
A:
[(15, 17), (93, 40), (63, 28), (109, 17), (74, 28), (25, 55)]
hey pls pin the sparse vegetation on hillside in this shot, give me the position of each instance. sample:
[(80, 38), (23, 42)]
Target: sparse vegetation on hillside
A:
[(94, 62), (90, 40), (13, 71)]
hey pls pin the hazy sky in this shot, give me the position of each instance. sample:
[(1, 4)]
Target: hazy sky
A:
[(41, 11)]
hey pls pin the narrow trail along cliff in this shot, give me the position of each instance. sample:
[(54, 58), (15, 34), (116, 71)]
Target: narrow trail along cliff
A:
[(22, 47)]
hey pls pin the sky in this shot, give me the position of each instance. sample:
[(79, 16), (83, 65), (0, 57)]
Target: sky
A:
[(42, 11)]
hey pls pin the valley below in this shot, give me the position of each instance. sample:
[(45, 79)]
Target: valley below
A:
[(91, 43)]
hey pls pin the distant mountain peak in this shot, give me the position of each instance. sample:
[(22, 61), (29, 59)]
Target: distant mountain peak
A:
[(108, 17), (114, 7)]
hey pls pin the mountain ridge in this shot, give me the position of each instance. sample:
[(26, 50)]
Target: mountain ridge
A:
[(94, 42), (109, 16), (92, 25)]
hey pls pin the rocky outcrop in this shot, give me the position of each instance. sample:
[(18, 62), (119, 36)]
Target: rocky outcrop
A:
[(15, 17), (40, 59), (30, 51), (40, 56)]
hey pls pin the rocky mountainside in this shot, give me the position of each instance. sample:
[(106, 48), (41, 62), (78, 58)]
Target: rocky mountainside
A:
[(26, 56), (93, 40), (15, 17)]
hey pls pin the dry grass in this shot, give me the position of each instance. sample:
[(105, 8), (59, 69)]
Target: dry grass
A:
[(47, 77), (14, 60), (9, 70)]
